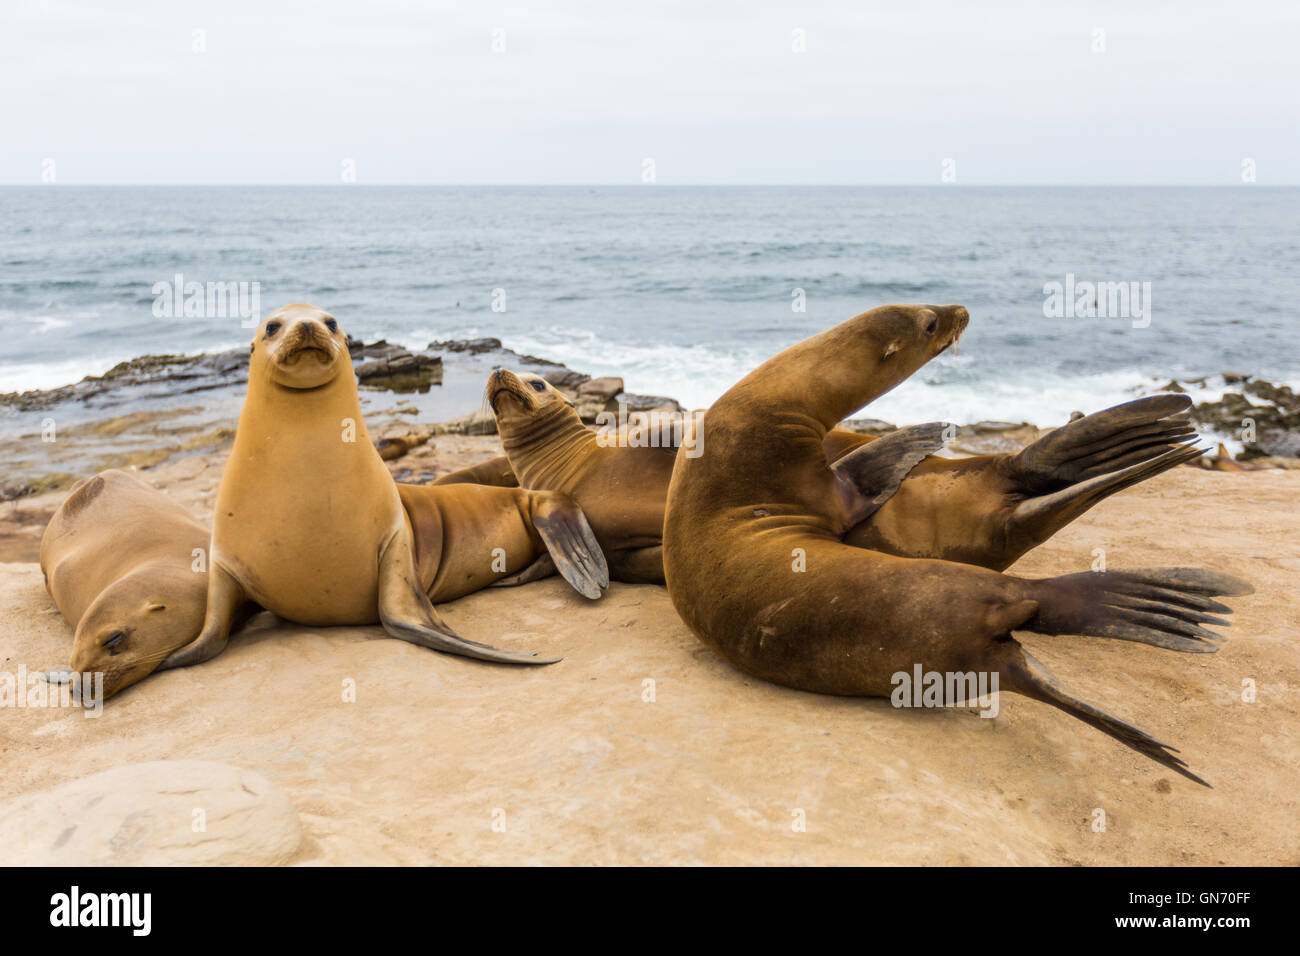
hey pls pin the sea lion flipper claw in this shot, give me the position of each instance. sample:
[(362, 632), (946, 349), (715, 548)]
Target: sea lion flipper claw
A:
[(1023, 674), (564, 529), (407, 614), (877, 468)]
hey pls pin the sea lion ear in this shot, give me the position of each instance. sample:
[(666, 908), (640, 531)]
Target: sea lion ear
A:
[(155, 606), (890, 349)]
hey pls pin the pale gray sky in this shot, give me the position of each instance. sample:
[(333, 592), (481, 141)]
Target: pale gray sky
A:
[(711, 90)]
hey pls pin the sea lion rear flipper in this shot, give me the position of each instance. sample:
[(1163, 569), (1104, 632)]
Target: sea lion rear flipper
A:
[(405, 611), (877, 468), (1037, 519), (1163, 607), (542, 567), (564, 529), (225, 598), (1023, 674)]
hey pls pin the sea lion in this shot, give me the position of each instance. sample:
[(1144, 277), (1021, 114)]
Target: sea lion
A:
[(621, 489), (119, 559), (756, 568), (987, 510), (308, 521)]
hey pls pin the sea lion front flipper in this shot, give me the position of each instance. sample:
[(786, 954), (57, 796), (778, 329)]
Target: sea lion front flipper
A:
[(225, 597), (877, 468), (1022, 673), (1163, 607), (405, 611), (564, 529)]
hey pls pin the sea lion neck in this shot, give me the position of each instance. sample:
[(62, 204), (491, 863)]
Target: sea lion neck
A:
[(337, 397), (547, 445)]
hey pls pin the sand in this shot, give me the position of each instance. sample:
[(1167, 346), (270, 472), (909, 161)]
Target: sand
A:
[(642, 747)]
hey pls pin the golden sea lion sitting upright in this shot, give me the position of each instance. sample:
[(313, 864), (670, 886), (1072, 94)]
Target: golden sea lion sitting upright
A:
[(308, 521), (120, 560), (755, 565)]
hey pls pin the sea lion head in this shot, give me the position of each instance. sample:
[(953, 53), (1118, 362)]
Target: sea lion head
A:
[(135, 623), (299, 346), (516, 397), (914, 334)]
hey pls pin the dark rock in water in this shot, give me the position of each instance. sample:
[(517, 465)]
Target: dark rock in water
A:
[(650, 403), (401, 371), (473, 346), (1269, 428), (1235, 378), (603, 388), (566, 378), (1173, 386)]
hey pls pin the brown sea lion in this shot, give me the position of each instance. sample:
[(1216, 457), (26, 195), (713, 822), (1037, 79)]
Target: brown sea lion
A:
[(755, 565), (308, 522), (125, 565), (621, 489), (987, 510)]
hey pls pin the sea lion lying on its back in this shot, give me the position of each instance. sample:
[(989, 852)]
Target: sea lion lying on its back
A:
[(756, 568)]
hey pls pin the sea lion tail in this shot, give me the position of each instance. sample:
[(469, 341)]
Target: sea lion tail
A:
[(1021, 673), (1163, 607)]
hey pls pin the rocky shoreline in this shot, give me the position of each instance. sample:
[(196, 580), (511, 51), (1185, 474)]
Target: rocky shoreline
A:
[(159, 408)]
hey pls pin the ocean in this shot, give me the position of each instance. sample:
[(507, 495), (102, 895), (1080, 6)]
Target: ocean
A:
[(681, 290)]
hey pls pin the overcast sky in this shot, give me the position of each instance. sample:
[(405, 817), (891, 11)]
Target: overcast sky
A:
[(711, 90)]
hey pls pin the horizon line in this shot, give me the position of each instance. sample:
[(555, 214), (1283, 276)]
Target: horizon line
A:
[(590, 185)]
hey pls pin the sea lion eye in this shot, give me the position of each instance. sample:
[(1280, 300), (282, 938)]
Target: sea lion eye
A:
[(934, 324), (538, 386), (114, 639), (272, 328), (332, 325)]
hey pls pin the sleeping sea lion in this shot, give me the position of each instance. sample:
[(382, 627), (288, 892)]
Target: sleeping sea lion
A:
[(120, 559), (755, 565), (308, 521)]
